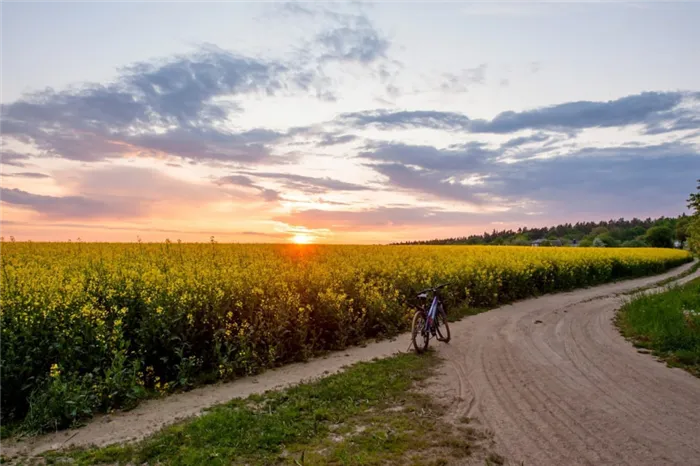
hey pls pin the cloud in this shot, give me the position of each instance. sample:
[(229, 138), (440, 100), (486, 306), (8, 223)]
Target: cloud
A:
[(268, 195), (648, 179), (650, 108), (295, 8), (386, 119), (634, 109), (349, 35), (178, 90), (26, 175), (462, 82), (13, 159), (238, 180), (330, 139), (359, 42), (319, 135), (437, 184), (122, 192), (308, 184), (175, 107), (523, 140), (468, 157), (56, 207), (651, 178)]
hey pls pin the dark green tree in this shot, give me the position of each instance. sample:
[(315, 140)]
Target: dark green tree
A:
[(693, 230), (682, 228), (694, 201), (634, 243), (608, 240), (660, 237)]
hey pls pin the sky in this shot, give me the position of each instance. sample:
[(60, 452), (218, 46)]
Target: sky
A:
[(343, 122)]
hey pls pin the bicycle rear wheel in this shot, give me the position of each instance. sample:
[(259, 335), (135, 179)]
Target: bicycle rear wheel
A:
[(442, 327), (419, 336)]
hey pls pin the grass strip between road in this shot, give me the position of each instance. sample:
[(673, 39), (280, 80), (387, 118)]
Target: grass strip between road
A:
[(669, 280), (667, 324), (372, 413)]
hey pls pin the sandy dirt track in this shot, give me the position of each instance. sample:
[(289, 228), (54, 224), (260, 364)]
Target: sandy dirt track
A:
[(551, 377), (557, 384)]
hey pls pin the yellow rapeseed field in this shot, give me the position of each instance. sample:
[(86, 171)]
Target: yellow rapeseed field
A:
[(90, 327)]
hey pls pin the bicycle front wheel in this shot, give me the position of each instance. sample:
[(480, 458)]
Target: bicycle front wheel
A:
[(419, 336)]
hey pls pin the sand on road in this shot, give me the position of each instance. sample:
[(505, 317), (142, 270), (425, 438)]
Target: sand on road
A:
[(551, 377), (557, 384)]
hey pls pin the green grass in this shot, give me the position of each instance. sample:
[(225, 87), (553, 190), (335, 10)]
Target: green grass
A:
[(662, 323), (368, 414), (669, 280)]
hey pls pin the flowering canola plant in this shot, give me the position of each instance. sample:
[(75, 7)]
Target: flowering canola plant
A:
[(90, 327)]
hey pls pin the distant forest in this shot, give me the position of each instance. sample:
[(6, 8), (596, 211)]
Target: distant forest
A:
[(661, 232)]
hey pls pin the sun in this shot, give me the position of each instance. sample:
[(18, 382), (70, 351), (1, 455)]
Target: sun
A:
[(302, 238)]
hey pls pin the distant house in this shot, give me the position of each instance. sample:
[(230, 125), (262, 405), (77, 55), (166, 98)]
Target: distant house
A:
[(553, 242)]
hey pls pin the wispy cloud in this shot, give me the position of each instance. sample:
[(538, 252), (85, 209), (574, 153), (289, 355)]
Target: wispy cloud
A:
[(59, 207), (13, 159), (360, 43), (647, 108), (464, 81), (309, 184), (116, 192), (26, 175)]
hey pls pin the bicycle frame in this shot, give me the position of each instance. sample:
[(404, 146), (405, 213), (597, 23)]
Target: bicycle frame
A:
[(430, 318)]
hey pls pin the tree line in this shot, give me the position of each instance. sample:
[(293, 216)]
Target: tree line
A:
[(665, 232)]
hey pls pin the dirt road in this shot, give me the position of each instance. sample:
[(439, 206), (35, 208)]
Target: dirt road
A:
[(551, 377), (558, 385)]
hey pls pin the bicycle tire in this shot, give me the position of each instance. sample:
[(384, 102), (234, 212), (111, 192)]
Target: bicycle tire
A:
[(416, 327), (441, 319)]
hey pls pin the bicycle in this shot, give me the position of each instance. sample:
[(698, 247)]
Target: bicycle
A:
[(431, 322)]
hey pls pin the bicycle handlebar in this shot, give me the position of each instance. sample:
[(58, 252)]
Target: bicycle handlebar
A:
[(434, 289)]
